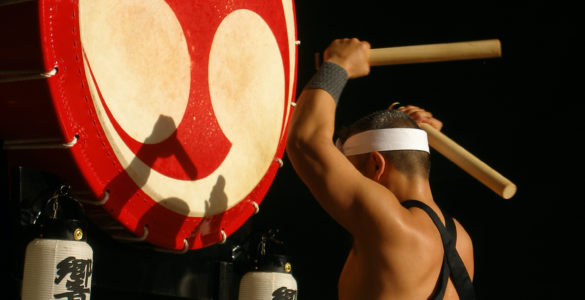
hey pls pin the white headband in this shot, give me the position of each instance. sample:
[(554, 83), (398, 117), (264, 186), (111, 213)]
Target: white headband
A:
[(388, 139)]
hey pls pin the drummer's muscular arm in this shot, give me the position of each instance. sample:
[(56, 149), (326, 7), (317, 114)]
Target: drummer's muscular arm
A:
[(333, 180), (321, 166)]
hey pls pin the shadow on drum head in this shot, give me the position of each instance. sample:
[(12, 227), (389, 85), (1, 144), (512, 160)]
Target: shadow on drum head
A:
[(210, 229), (172, 148), (127, 200)]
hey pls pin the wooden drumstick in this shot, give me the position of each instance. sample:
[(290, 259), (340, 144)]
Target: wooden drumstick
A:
[(469, 163), (435, 52)]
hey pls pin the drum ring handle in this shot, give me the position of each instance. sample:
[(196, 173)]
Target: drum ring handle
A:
[(51, 73), (96, 203), (182, 251), (104, 199), (185, 246), (223, 236), (256, 207), (279, 161), (14, 76), (39, 144), (133, 239)]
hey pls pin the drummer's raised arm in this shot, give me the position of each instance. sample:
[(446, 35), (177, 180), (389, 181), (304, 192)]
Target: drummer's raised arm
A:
[(310, 147), (315, 111)]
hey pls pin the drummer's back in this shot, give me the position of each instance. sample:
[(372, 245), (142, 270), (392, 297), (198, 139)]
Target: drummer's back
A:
[(408, 268)]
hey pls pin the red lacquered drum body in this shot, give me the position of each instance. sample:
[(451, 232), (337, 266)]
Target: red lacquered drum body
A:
[(168, 117)]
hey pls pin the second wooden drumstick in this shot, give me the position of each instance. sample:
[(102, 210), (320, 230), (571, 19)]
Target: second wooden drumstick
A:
[(435, 52), (469, 163)]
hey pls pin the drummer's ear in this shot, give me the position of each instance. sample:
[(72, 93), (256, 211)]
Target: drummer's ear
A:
[(376, 166)]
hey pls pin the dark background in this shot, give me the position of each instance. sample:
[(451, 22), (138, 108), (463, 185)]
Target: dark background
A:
[(519, 113)]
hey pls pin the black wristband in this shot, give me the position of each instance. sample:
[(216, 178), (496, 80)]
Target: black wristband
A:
[(331, 77)]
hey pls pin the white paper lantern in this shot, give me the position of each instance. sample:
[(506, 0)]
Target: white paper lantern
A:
[(269, 281), (57, 269)]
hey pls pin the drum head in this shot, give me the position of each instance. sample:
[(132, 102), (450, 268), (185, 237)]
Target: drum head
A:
[(181, 107)]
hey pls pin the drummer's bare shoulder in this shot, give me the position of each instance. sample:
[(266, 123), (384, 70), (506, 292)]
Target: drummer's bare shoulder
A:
[(361, 205)]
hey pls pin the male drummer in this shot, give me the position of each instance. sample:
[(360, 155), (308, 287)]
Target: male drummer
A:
[(365, 181)]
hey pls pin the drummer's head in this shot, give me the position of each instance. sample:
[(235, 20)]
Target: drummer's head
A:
[(411, 163)]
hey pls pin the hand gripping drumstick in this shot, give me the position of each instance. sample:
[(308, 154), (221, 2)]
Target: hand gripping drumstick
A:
[(435, 52), (467, 161), (431, 53), (439, 141)]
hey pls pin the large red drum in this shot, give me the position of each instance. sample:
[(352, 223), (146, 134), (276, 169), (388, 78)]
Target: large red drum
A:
[(167, 117)]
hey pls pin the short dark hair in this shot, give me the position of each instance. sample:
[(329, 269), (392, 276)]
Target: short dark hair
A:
[(409, 162)]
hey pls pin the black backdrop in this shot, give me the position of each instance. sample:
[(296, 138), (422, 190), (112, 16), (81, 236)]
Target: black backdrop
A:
[(519, 113)]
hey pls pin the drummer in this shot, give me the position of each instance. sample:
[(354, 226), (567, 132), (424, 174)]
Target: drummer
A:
[(367, 182)]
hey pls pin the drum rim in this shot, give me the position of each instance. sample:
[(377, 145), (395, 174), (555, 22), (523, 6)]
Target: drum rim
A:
[(59, 27)]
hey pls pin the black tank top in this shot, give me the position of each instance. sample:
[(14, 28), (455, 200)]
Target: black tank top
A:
[(452, 264)]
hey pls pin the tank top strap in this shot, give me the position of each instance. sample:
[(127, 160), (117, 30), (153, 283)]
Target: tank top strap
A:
[(453, 265)]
